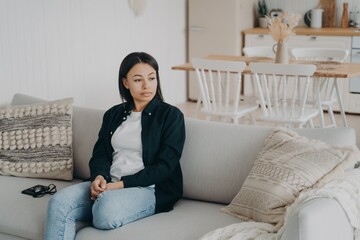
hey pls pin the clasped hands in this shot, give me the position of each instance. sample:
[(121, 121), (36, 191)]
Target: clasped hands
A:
[(100, 185)]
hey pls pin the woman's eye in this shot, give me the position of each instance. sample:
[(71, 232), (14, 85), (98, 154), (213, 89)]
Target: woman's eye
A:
[(152, 78), (137, 80)]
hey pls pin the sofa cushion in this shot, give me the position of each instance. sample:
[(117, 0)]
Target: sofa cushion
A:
[(189, 220), (84, 137), (287, 164), (25, 215), (36, 140)]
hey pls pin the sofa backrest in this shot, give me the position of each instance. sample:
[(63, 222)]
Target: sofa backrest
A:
[(86, 126), (217, 156)]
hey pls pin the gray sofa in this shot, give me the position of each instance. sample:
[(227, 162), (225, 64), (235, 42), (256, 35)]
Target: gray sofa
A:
[(217, 158)]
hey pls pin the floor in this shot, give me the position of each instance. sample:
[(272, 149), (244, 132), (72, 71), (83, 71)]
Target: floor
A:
[(189, 110)]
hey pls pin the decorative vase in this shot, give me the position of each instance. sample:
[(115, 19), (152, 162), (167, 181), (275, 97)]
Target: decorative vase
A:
[(263, 23), (345, 16), (281, 52)]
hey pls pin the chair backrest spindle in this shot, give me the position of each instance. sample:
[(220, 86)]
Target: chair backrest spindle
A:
[(220, 88), (283, 91), (323, 91)]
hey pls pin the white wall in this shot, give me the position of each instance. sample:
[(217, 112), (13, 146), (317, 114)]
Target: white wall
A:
[(58, 48)]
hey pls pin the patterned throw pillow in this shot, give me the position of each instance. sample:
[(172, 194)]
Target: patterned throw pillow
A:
[(287, 164), (36, 140)]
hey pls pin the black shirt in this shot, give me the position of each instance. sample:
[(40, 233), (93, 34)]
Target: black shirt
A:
[(162, 136)]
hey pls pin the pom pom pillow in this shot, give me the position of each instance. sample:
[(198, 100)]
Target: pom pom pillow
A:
[(36, 140)]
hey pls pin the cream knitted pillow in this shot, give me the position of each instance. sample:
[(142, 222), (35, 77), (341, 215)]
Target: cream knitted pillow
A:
[(287, 164), (36, 140)]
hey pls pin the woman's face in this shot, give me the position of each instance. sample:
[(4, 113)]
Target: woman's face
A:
[(142, 83)]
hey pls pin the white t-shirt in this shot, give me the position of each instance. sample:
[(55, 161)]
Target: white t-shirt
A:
[(126, 141)]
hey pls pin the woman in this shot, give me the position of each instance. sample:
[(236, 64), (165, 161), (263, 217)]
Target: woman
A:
[(135, 169)]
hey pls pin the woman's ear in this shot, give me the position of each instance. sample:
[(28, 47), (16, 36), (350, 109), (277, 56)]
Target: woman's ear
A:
[(125, 82)]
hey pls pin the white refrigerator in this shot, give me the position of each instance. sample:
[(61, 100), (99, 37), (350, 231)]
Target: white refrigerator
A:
[(214, 27)]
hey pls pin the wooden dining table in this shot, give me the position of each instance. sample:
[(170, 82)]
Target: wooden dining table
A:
[(324, 69), (334, 70)]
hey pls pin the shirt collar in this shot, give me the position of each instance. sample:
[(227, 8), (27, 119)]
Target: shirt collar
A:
[(149, 109)]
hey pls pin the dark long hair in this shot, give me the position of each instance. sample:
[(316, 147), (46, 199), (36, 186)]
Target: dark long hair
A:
[(128, 62)]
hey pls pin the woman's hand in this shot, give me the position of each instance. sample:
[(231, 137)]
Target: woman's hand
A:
[(100, 185), (97, 186)]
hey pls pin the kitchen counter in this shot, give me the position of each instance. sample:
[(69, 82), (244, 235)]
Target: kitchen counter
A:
[(312, 31)]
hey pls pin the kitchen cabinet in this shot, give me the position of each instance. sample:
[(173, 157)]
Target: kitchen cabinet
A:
[(354, 83), (252, 40), (210, 31), (307, 40), (354, 103)]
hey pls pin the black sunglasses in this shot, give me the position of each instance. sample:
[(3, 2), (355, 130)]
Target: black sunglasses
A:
[(51, 189)]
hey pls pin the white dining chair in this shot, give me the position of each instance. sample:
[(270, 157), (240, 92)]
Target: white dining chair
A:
[(255, 52), (283, 91), (220, 88), (326, 86)]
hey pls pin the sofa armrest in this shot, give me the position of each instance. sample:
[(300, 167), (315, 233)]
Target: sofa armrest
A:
[(317, 219)]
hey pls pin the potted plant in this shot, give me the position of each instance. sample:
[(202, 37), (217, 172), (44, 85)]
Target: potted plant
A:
[(263, 12)]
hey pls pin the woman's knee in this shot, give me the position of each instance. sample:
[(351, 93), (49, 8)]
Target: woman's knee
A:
[(112, 210), (104, 218), (103, 213)]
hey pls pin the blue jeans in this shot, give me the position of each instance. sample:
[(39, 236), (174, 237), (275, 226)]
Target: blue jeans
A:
[(110, 210)]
